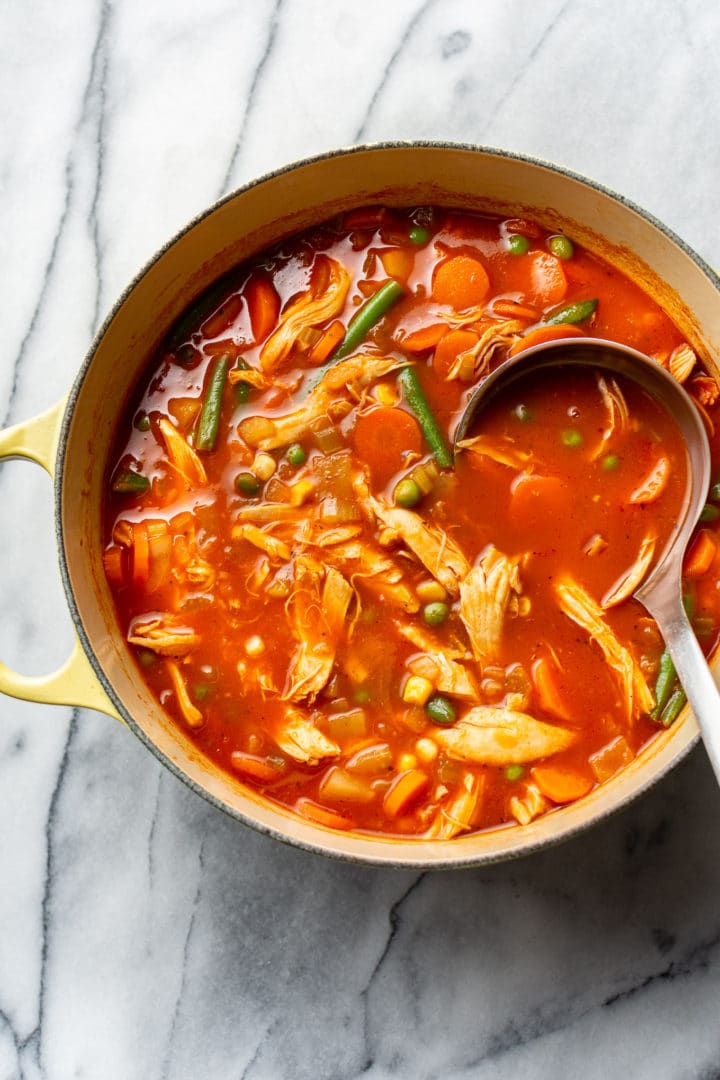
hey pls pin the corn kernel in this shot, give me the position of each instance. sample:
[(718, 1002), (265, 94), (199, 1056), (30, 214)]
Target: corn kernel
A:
[(427, 750), (254, 646), (431, 592), (386, 394), (301, 492), (264, 465), (406, 761), (417, 690)]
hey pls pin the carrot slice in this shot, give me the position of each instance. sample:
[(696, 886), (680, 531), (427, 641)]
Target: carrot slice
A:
[(450, 347), (460, 281), (510, 309), (536, 499), (258, 768), (546, 333), (701, 554), (328, 342), (384, 437), (548, 284), (223, 318), (562, 784), (113, 563), (425, 338), (140, 554), (320, 815), (405, 790), (545, 677), (263, 305)]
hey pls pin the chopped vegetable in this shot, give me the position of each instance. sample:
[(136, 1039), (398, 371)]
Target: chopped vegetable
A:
[(418, 403), (407, 492), (440, 710), (296, 455), (561, 247), (518, 244), (371, 312), (209, 422), (130, 483), (436, 613), (573, 313)]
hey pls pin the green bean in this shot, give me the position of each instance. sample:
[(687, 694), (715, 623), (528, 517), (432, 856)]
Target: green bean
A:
[(417, 401), (572, 313), (242, 389), (130, 483), (663, 684), (366, 317), (209, 422), (199, 310), (672, 710)]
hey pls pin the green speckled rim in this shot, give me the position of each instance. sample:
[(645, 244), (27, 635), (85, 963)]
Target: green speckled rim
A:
[(454, 859)]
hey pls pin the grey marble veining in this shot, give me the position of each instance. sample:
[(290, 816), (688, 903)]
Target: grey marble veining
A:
[(144, 936)]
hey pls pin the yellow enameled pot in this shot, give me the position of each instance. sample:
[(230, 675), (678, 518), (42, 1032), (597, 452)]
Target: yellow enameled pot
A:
[(73, 440)]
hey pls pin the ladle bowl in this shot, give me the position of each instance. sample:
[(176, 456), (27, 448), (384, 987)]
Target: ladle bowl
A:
[(661, 590)]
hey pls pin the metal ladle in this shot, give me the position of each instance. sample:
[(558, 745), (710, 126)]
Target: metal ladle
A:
[(661, 590)]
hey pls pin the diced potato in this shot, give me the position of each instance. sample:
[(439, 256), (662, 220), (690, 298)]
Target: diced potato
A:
[(340, 786), (613, 757)]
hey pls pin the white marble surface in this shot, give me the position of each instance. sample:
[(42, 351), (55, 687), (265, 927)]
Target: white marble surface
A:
[(144, 936)]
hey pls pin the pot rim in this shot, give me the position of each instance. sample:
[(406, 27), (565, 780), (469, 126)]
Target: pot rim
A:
[(384, 857)]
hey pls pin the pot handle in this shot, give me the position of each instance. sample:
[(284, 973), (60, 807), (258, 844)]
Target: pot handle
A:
[(75, 682)]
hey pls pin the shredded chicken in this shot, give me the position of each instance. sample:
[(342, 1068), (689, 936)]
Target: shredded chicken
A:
[(681, 362), (529, 805), (349, 376), (494, 735), (363, 560), (192, 715), (617, 410), (262, 539), (181, 454), (583, 610), (652, 487), (475, 361), (458, 814), (504, 453), (164, 633), (306, 312), (440, 555), (626, 585), (319, 604), (303, 742), (485, 594)]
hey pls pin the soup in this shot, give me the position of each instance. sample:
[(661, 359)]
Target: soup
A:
[(374, 632)]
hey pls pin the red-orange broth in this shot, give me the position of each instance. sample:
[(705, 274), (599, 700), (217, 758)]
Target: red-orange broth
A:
[(341, 618)]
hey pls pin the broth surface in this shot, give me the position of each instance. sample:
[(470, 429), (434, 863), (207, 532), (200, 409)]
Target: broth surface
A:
[(373, 635)]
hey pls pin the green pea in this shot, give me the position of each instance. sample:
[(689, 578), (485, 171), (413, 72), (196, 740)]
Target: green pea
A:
[(296, 454), (247, 484), (610, 462), (714, 493), (440, 710), (561, 247), (435, 613), (518, 244), (201, 691), (362, 696), (146, 657), (709, 512), (572, 437), (514, 772), (523, 414), (418, 235), (142, 421), (407, 492), (186, 354)]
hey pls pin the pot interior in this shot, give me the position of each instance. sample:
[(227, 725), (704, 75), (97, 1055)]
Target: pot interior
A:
[(237, 228)]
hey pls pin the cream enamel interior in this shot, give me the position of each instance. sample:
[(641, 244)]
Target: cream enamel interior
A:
[(241, 226)]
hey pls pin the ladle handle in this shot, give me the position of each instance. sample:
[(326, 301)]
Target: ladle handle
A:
[(693, 671)]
